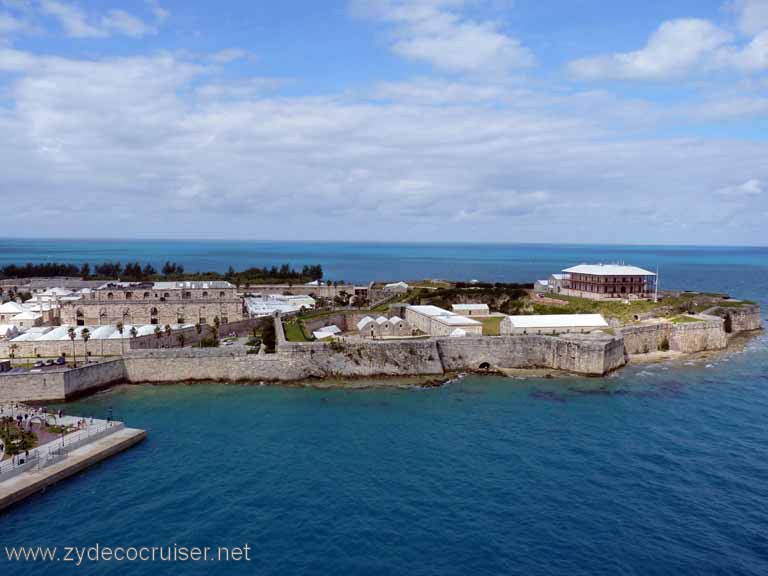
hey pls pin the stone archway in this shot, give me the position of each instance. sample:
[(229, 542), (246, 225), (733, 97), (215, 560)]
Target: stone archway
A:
[(484, 366)]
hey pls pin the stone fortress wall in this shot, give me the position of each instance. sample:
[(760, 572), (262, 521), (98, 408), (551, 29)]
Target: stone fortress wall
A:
[(589, 354)]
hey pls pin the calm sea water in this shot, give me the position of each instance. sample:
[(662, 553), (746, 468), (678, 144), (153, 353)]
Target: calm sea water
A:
[(659, 469)]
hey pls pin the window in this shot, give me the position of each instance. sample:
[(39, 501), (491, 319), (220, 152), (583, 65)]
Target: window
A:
[(110, 296), (205, 294), (222, 294), (146, 295), (203, 321)]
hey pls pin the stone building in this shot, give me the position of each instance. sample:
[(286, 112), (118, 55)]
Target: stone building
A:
[(439, 322), (383, 327), (471, 309), (155, 303), (552, 324)]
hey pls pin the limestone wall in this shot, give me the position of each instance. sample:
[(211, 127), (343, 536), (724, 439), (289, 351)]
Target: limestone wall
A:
[(580, 354), (31, 387), (93, 377), (742, 319), (645, 338), (690, 337), (698, 336)]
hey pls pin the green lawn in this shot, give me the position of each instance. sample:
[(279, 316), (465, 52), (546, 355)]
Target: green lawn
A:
[(293, 331), (684, 319), (626, 312), (491, 325)]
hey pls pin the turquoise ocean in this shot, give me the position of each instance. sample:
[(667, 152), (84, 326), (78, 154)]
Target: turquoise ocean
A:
[(658, 469)]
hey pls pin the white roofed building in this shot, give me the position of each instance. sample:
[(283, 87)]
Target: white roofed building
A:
[(608, 281), (552, 324), (9, 310), (396, 287), (439, 322)]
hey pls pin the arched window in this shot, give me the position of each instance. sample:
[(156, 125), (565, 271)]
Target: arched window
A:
[(110, 296), (205, 294), (221, 294)]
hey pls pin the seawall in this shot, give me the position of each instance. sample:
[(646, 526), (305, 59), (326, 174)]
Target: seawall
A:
[(706, 334)]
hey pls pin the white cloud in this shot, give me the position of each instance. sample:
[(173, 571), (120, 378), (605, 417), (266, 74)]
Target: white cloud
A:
[(9, 24), (751, 15), (753, 187), (121, 22), (436, 32), (77, 24), (229, 55), (673, 49), (164, 146)]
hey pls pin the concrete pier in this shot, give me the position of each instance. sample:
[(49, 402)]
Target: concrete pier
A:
[(28, 483)]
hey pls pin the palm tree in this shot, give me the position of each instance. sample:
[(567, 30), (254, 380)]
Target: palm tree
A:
[(13, 348), (72, 335), (181, 340), (199, 330), (134, 333), (168, 332), (158, 335), (120, 327), (85, 335)]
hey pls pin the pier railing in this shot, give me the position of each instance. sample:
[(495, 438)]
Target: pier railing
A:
[(57, 450)]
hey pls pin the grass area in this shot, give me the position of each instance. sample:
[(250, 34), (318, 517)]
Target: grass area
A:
[(491, 326), (294, 331), (670, 305), (684, 319)]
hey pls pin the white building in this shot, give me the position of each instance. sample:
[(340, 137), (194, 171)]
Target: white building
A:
[(396, 287), (268, 304), (326, 332), (27, 319), (9, 310), (383, 327), (471, 309), (439, 322), (552, 324)]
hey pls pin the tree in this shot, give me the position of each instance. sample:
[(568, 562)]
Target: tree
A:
[(72, 335), (13, 349), (158, 335), (120, 327), (180, 338), (85, 335), (85, 271), (268, 336), (149, 271), (168, 332), (134, 333), (199, 330)]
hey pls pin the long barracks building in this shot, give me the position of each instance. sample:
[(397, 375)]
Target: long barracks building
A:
[(155, 303)]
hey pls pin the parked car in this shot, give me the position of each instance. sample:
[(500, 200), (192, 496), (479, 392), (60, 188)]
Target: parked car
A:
[(39, 364), (50, 362), (60, 361)]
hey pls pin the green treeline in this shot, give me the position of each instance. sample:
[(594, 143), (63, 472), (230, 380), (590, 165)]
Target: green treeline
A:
[(136, 271)]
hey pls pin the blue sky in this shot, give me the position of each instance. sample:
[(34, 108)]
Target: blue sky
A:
[(485, 120)]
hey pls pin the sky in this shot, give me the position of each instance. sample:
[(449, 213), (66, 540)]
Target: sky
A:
[(386, 120)]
